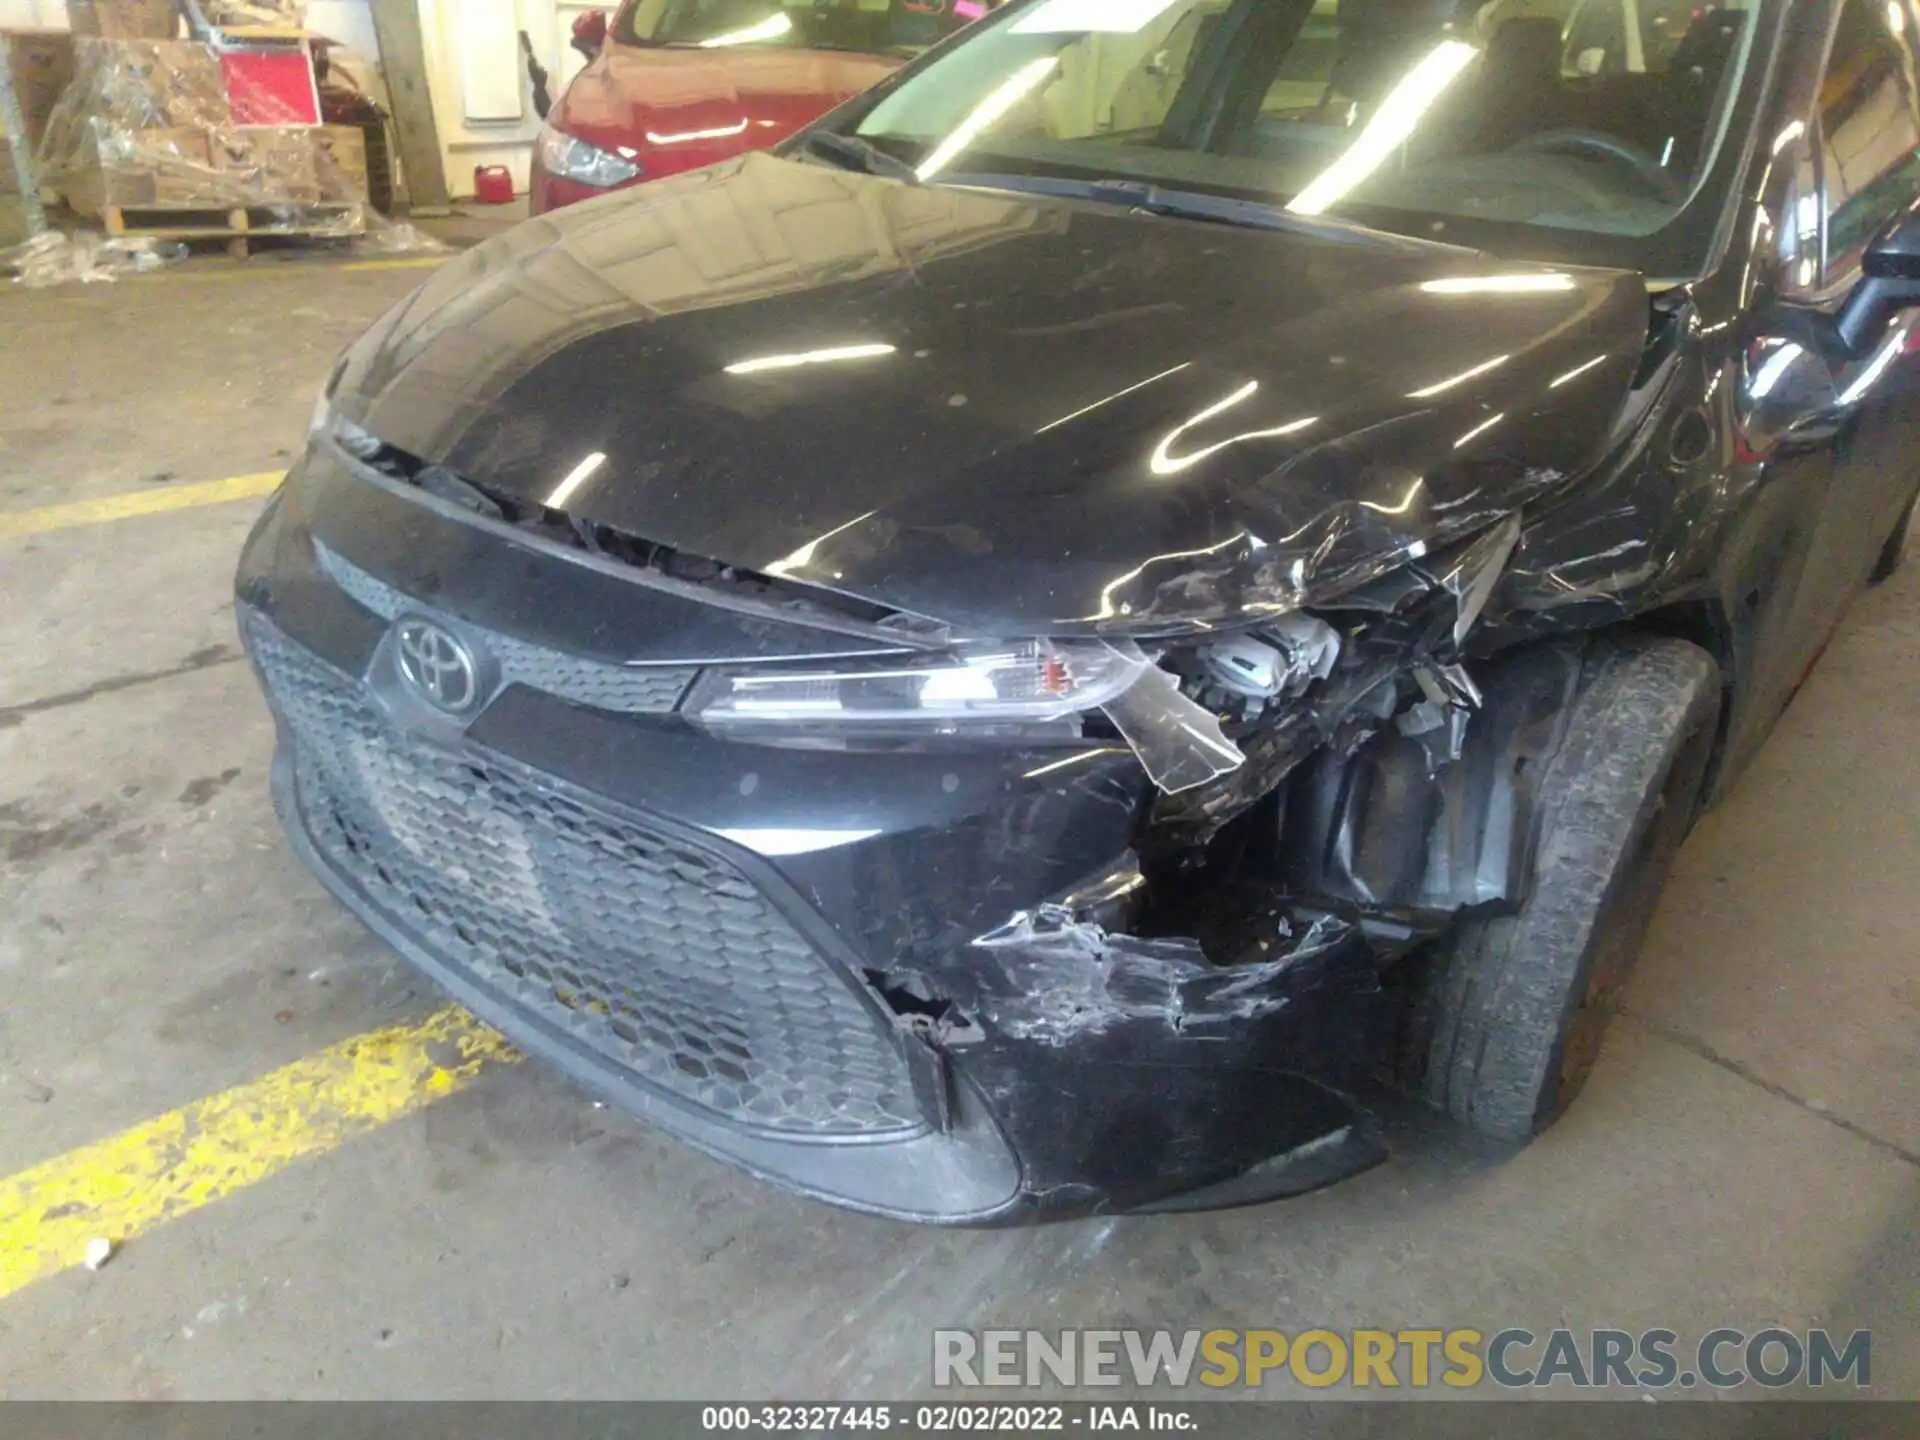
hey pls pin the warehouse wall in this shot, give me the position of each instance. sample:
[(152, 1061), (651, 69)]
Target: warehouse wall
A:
[(482, 103)]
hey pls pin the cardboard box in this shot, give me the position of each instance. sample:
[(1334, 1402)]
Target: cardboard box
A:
[(42, 65), (124, 19), (179, 81), (270, 164), (159, 168), (341, 154)]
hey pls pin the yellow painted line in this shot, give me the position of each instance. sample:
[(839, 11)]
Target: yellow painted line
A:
[(252, 271), (420, 262), (120, 1188), (138, 502)]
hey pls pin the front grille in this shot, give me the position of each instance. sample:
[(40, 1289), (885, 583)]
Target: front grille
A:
[(660, 955), (637, 690)]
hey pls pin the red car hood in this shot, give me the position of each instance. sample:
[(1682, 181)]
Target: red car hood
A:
[(692, 107)]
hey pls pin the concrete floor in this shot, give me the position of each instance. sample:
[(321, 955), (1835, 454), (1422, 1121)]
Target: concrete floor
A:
[(1749, 1152)]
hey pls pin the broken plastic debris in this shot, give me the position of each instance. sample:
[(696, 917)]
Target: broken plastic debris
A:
[(395, 237), (58, 259), (1283, 658), (1178, 740), (1451, 698), (1066, 979), (99, 1252), (1311, 644), (1476, 570), (1423, 717)]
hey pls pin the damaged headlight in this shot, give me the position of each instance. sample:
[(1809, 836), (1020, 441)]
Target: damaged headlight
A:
[(1020, 688), (1024, 683)]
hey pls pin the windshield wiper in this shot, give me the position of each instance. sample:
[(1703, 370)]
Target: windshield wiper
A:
[(1155, 199), (850, 152)]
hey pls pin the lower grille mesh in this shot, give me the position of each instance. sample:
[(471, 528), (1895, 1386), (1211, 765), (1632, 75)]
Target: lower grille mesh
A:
[(663, 957)]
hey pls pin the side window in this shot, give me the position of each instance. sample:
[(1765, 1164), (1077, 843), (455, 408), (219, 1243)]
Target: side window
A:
[(1150, 74), (1109, 82), (1799, 233), (1596, 39), (1869, 127), (1300, 86)]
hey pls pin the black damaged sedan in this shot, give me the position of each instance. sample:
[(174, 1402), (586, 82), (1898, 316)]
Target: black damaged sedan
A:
[(1175, 557)]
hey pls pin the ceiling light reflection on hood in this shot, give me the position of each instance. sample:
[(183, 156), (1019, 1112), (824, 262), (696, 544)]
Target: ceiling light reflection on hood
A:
[(1117, 395), (1452, 380), (771, 28), (1165, 462), (1390, 127), (809, 357), (803, 557), (1480, 429), (1499, 284), (1576, 372), (576, 477), (722, 132), (1009, 94), (1108, 610)]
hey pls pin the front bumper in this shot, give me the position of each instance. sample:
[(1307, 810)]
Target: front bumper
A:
[(771, 953)]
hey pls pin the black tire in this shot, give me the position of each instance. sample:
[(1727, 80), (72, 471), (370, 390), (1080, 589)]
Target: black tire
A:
[(1513, 1006), (379, 164), (1893, 552)]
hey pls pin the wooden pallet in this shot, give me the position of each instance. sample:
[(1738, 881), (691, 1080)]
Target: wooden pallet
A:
[(237, 225)]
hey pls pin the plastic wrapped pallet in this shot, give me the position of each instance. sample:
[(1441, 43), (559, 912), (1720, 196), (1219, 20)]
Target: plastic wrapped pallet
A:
[(123, 19), (340, 162), (129, 85), (268, 163), (145, 134), (278, 14), (157, 168)]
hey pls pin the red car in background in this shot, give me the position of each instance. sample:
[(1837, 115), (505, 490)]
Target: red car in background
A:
[(677, 84)]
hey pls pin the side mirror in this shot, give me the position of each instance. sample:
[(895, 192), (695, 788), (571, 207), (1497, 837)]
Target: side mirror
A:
[(1889, 283), (1786, 397), (590, 33)]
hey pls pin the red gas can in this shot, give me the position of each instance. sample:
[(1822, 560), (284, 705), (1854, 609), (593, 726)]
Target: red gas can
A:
[(492, 184)]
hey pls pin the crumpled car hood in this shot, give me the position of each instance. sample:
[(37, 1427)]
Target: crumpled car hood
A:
[(1016, 414)]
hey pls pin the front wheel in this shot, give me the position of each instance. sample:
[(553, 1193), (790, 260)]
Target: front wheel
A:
[(1513, 1006)]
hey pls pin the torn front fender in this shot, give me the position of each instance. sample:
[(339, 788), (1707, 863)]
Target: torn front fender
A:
[(1384, 829), (1127, 1072)]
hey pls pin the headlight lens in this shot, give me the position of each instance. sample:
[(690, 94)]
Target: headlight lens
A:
[(1023, 683), (565, 155)]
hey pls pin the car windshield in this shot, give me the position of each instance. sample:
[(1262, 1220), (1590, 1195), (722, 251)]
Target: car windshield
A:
[(1461, 121), (875, 27)]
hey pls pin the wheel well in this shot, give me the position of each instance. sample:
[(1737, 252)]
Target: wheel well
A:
[(1703, 623)]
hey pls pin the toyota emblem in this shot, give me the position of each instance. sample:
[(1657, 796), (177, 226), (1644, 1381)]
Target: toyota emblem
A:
[(437, 665)]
